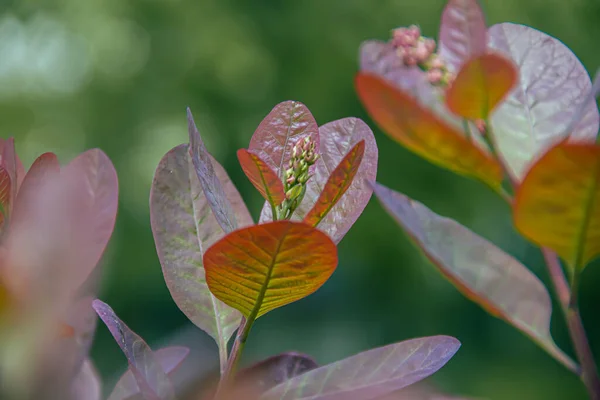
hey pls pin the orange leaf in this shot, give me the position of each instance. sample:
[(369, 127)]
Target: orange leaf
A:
[(264, 179), (421, 131), (338, 183), (263, 267), (480, 85), (558, 203)]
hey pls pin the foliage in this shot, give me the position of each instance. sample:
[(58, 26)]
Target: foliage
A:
[(543, 145), (507, 105)]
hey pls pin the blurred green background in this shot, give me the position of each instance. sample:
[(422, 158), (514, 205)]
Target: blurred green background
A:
[(118, 74)]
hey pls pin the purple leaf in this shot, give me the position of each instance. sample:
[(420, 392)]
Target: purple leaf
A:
[(462, 33), (370, 374), (184, 227), (275, 370), (280, 130), (553, 86), (170, 358), (87, 384), (337, 138), (209, 181), (481, 271), (147, 370)]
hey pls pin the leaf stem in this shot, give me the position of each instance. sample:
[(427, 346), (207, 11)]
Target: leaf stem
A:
[(569, 304)]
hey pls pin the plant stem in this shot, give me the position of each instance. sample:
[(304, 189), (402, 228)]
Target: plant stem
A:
[(569, 304), (236, 352)]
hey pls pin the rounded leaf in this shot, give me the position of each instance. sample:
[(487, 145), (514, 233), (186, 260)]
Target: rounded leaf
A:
[(558, 203), (263, 267), (553, 85)]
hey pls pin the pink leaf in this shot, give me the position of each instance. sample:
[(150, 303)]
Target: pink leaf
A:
[(280, 130), (337, 138)]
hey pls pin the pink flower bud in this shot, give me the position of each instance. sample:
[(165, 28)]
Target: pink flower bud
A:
[(430, 45), (420, 53), (414, 32), (434, 76), (436, 62)]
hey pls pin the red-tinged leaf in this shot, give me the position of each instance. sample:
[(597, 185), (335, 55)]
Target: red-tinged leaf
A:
[(13, 166), (57, 222), (338, 183), (170, 358), (481, 271), (371, 374), (264, 179), (209, 181), (147, 370), (263, 267), (552, 89), (5, 193), (481, 84), (87, 384), (558, 203), (421, 131), (337, 138), (462, 33), (184, 227), (275, 370), (275, 137)]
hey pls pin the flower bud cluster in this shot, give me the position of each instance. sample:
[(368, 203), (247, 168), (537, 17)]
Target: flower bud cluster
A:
[(304, 155), (416, 50)]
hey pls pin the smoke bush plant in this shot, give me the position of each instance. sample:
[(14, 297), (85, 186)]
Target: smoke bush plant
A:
[(513, 107), (509, 105)]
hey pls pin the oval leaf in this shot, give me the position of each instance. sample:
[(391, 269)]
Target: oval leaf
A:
[(336, 140), (421, 131), (481, 271), (147, 370), (462, 33), (87, 384), (209, 181), (263, 267), (481, 84), (264, 179), (275, 137), (338, 183), (552, 87), (103, 196), (558, 203), (184, 227), (169, 358), (370, 374)]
